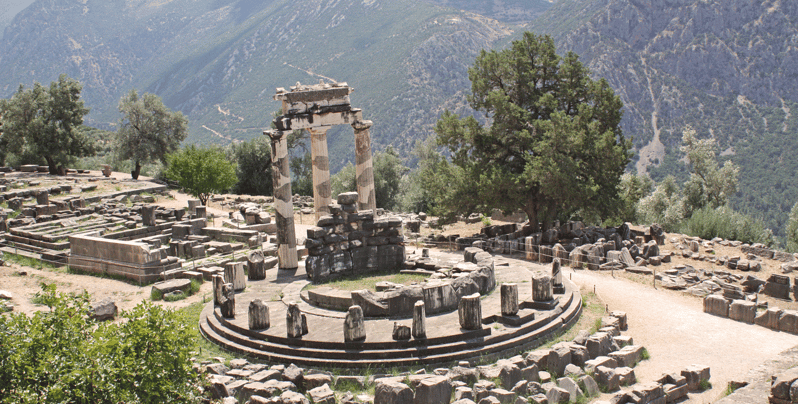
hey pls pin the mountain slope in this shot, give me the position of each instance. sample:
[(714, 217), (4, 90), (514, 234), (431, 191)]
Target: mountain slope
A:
[(220, 61)]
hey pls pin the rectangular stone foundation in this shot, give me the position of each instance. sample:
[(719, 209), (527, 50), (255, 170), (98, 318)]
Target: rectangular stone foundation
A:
[(128, 259)]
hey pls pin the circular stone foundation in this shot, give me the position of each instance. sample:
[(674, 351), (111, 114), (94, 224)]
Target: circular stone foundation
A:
[(323, 346)]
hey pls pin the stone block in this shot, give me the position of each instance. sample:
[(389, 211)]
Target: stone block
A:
[(607, 377), (433, 390), (788, 321), (172, 285), (716, 305), (591, 387), (256, 270), (400, 332), (293, 320), (556, 395), (439, 298), (102, 310), (695, 374), (388, 391), (628, 356), (605, 361), (569, 385), (559, 358), (322, 395), (741, 310), (769, 318), (598, 344), (626, 375)]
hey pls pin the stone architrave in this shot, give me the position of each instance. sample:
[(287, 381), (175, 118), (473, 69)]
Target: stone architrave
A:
[(256, 268), (218, 282), (258, 315), (293, 320), (234, 273), (148, 215), (509, 299), (227, 304), (354, 325), (283, 201), (364, 171), (419, 320), (470, 312), (43, 198), (541, 287), (322, 192)]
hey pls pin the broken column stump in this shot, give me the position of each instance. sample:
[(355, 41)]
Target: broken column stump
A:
[(256, 266), (419, 320), (293, 321), (354, 325), (43, 198), (148, 215), (258, 315), (470, 312), (509, 295), (227, 304), (400, 332), (218, 282), (200, 212), (234, 273), (541, 287), (556, 277)]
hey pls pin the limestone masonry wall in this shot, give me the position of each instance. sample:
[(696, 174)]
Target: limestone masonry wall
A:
[(350, 242)]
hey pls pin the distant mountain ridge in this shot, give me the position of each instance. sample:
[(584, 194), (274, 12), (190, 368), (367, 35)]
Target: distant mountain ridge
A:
[(220, 61)]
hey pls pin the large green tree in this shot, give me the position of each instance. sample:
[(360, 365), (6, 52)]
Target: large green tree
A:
[(148, 130), (553, 146), (46, 122), (388, 171), (202, 171), (792, 229), (254, 165)]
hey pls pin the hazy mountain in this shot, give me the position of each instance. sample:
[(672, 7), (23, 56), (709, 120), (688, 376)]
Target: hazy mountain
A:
[(727, 68), (220, 61), (9, 9)]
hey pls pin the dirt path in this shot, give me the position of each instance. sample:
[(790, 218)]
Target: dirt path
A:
[(677, 333)]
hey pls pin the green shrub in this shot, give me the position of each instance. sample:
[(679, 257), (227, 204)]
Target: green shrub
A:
[(63, 356), (724, 222)]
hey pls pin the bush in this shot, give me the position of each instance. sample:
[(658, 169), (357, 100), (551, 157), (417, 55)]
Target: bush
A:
[(63, 356), (724, 222)]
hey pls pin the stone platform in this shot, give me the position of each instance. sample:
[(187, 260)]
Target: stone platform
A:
[(446, 342)]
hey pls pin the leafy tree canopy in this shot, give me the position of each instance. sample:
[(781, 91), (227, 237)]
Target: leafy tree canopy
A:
[(792, 229), (254, 164), (46, 123), (64, 356), (554, 144), (202, 171), (148, 130)]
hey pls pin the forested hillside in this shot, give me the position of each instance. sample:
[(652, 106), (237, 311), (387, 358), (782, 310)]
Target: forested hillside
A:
[(726, 68), (219, 62)]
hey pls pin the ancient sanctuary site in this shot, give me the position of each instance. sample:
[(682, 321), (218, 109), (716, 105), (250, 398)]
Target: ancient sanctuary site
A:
[(462, 313)]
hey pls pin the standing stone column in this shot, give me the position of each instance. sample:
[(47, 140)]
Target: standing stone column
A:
[(364, 169), (284, 208), (192, 205), (256, 266), (470, 312), (419, 320), (234, 274), (322, 193), (293, 320), (509, 299), (541, 287), (258, 315), (354, 325)]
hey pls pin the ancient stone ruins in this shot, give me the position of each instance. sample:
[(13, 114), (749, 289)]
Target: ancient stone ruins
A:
[(475, 313)]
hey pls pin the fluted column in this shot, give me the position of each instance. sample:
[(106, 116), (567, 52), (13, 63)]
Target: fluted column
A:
[(321, 170), (283, 204), (364, 168)]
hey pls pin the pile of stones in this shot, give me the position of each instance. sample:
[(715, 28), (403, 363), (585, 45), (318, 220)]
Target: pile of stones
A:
[(587, 365), (349, 242), (784, 387), (249, 213), (746, 311)]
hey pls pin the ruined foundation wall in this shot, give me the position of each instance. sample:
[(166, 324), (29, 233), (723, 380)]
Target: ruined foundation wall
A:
[(349, 242), (130, 259)]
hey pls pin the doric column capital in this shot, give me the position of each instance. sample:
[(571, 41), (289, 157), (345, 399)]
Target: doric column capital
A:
[(362, 125)]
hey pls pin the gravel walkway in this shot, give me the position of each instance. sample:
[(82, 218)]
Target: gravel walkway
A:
[(677, 333)]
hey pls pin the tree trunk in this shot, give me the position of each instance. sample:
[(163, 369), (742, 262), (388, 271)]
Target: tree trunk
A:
[(51, 165), (203, 199), (135, 173), (532, 214)]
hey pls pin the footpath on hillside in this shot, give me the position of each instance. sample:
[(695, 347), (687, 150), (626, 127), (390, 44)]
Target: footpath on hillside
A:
[(677, 333)]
